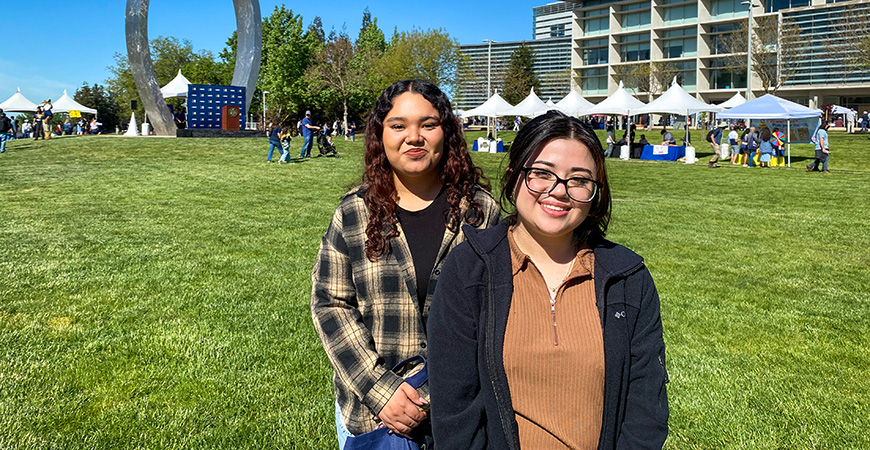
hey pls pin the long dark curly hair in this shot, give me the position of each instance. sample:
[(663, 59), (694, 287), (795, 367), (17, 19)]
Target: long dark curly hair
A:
[(457, 172)]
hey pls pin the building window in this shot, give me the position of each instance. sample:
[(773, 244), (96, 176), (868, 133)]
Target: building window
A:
[(557, 30), (721, 35), (776, 5), (724, 9), (687, 75), (635, 21), (595, 52), (727, 79), (634, 48), (681, 14), (594, 81), (680, 48), (597, 22)]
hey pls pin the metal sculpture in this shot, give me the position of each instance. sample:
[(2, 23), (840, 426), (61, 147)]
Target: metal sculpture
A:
[(248, 52)]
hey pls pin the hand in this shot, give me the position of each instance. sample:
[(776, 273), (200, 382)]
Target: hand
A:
[(402, 412)]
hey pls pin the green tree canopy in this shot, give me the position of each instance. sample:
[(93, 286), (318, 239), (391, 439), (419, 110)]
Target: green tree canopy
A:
[(520, 77)]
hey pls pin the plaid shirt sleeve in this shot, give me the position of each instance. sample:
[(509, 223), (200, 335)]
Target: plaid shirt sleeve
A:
[(349, 344)]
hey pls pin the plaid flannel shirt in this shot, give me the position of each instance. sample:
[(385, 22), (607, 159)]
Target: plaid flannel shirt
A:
[(367, 314)]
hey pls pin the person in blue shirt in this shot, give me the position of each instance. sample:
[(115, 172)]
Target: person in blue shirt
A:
[(715, 142), (275, 142), (823, 149), (307, 135)]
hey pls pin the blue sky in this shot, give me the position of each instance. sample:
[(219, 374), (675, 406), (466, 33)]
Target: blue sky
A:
[(92, 31)]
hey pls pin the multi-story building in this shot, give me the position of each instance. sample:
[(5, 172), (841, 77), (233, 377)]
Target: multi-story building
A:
[(609, 35), (489, 65), (552, 25), (553, 20)]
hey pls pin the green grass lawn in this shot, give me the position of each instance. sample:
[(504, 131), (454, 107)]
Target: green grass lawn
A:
[(154, 294)]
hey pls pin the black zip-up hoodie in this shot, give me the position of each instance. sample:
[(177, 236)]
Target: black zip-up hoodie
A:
[(470, 397)]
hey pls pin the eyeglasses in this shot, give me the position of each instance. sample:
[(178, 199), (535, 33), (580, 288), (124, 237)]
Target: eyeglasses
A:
[(543, 181)]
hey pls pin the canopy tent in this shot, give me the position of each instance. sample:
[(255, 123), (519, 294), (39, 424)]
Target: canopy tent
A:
[(18, 103), (550, 103), (770, 106), (620, 102), (531, 106), (676, 101), (66, 104), (495, 106), (574, 104), (736, 100), (176, 88)]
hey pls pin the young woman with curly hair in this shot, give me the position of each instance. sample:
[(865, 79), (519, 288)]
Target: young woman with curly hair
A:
[(381, 256)]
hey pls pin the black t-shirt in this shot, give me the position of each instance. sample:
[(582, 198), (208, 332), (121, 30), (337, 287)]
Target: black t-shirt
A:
[(424, 231)]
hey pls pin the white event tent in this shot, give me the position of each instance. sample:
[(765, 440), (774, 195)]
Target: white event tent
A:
[(65, 104), (770, 106), (18, 103), (574, 104), (676, 101), (737, 100), (495, 106), (177, 87), (620, 102), (531, 106)]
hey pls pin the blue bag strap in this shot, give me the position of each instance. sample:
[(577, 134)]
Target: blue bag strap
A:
[(418, 378)]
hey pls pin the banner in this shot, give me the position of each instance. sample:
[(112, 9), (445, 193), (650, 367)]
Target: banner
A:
[(802, 130), (75, 114)]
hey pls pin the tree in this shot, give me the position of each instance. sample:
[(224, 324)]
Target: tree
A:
[(98, 98), (430, 55), (662, 74), (169, 55), (287, 52), (333, 69), (520, 76), (775, 50), (634, 77)]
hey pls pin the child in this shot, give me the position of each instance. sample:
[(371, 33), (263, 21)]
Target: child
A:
[(766, 148)]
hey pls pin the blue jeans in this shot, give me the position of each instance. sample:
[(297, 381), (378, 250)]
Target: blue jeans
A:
[(272, 146), (340, 429), (3, 138), (306, 147)]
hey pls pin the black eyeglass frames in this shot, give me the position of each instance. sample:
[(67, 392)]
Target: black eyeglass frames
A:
[(543, 181)]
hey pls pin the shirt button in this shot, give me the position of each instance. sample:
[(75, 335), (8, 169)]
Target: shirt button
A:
[(422, 345), (437, 271)]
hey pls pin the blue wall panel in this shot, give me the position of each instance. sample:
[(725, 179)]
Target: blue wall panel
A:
[(204, 103)]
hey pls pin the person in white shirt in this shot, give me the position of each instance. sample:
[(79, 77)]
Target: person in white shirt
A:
[(734, 142)]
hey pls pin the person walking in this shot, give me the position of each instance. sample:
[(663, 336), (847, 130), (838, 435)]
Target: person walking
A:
[(46, 122), (352, 131), (611, 141), (5, 130), (275, 142), (307, 135), (715, 139), (823, 149), (542, 333), (381, 256), (864, 122)]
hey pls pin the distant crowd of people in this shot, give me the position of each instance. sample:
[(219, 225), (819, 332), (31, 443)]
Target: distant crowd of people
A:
[(40, 126), (280, 137)]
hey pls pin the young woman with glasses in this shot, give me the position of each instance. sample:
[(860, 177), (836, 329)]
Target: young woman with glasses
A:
[(543, 334)]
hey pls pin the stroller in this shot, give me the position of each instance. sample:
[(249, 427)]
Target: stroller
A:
[(326, 148)]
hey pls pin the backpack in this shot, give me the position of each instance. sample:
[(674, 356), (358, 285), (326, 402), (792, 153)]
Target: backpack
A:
[(710, 136), (5, 124)]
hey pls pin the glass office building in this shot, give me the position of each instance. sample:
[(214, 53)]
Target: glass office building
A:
[(691, 34)]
